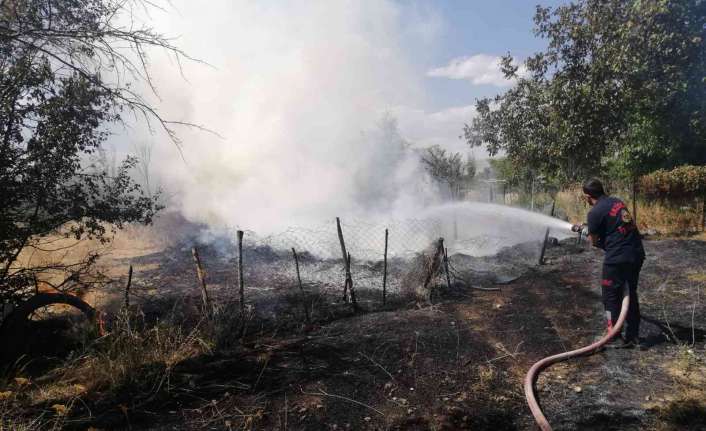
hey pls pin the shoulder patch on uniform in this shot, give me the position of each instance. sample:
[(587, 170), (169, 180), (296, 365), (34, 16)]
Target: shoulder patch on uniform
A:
[(616, 208)]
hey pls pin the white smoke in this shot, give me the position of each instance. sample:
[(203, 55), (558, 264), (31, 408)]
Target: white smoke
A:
[(299, 92)]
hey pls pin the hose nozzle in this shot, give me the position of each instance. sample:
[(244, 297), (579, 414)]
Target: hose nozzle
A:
[(580, 228)]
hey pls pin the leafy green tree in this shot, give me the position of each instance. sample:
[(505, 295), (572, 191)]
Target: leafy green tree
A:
[(512, 176), (621, 87), (448, 168), (56, 101)]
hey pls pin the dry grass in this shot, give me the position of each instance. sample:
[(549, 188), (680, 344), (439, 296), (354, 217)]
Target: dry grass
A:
[(15, 396), (132, 359), (664, 218)]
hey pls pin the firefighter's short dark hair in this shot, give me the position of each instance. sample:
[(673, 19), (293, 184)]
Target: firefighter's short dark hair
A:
[(593, 187)]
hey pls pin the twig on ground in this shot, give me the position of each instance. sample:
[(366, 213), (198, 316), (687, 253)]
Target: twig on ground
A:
[(323, 393), (660, 289), (507, 354), (376, 363), (267, 361)]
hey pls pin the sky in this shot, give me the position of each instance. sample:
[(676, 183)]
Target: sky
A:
[(301, 95), (472, 28), (462, 66)]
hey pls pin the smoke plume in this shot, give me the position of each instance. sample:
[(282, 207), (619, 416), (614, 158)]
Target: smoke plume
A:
[(298, 92)]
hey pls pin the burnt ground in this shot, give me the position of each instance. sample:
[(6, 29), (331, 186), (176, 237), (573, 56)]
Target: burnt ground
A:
[(456, 364)]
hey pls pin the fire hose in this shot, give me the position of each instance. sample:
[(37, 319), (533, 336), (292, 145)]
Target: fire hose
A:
[(533, 373)]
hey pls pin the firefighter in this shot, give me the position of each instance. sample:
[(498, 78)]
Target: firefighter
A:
[(611, 228)]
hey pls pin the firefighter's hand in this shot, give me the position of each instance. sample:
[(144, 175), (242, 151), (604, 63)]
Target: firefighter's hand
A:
[(580, 228)]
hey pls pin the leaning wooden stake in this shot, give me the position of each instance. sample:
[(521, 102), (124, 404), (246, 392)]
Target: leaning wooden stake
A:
[(384, 272), (127, 288), (433, 266), (544, 247), (241, 283), (301, 287), (446, 266), (349, 280), (202, 279)]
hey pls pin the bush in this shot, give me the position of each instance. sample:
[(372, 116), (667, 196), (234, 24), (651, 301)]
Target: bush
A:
[(683, 182), (666, 216)]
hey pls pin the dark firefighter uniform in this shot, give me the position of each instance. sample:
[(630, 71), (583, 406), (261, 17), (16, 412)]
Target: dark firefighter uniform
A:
[(610, 222)]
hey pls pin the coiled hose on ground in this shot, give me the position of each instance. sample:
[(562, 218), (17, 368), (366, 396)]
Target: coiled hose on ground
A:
[(533, 372)]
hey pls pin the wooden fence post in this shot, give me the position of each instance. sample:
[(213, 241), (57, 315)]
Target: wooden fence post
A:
[(202, 279), (544, 247), (241, 282), (346, 264), (384, 272), (301, 287), (349, 280), (127, 288), (446, 267)]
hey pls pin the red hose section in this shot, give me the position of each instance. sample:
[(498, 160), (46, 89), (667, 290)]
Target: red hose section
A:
[(532, 374)]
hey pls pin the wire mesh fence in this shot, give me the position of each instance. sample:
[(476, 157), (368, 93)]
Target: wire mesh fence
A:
[(406, 264)]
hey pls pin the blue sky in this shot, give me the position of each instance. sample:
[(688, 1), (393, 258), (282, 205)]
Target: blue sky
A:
[(479, 27)]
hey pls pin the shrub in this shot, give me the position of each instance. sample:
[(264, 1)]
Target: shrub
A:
[(683, 182)]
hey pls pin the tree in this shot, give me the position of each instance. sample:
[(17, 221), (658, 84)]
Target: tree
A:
[(619, 88), (65, 75), (448, 168), (508, 173)]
